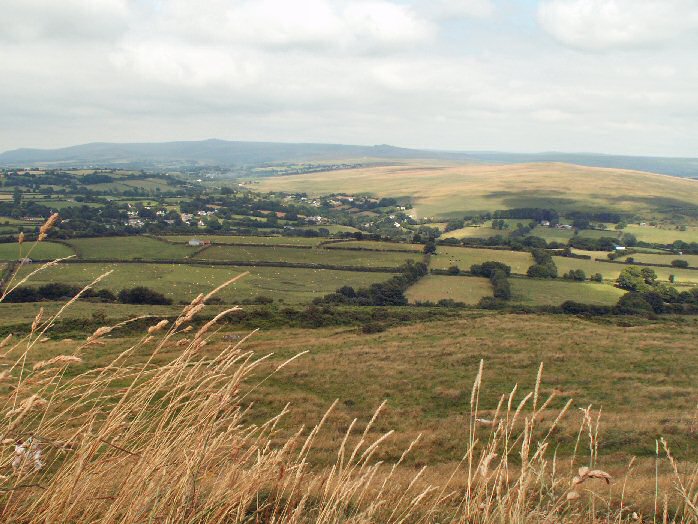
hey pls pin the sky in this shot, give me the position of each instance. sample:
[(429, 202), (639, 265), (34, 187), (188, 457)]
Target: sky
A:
[(607, 76)]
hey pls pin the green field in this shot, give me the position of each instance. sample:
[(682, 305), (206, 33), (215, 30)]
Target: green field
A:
[(476, 232), (35, 251), (129, 248), (371, 244), (598, 233), (232, 239), (611, 271), (451, 191), (334, 228), (667, 259), (26, 312), (552, 234), (331, 257), (533, 292), (464, 257), (662, 235), (461, 289), (184, 282)]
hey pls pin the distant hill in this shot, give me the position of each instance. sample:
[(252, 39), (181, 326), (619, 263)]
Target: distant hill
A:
[(205, 152), (236, 153), (683, 167)]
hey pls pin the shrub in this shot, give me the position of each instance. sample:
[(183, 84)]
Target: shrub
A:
[(500, 285), (542, 271), (633, 304), (486, 269), (679, 263), (490, 303), (142, 295), (596, 277), (577, 308), (575, 274), (373, 327), (454, 270)]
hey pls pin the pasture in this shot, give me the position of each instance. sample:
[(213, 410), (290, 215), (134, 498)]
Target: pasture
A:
[(233, 239), (552, 234), (600, 233), (461, 289), (35, 251), (475, 232), (662, 234), (129, 248), (331, 257), (653, 258), (610, 271), (184, 282), (372, 244), (464, 257), (449, 191), (534, 292)]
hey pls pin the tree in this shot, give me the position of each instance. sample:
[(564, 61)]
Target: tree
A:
[(628, 239), (633, 278), (633, 304), (17, 197), (575, 274), (596, 277), (142, 295), (430, 248), (679, 263), (453, 270), (542, 271), (486, 269)]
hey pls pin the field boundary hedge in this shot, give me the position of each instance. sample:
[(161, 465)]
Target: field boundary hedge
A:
[(374, 250), (204, 263), (646, 264)]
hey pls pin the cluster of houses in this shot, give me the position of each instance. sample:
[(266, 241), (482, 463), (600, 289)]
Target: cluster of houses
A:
[(546, 223), (195, 242)]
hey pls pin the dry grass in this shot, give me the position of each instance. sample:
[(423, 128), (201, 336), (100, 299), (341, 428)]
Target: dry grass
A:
[(447, 190), (170, 438)]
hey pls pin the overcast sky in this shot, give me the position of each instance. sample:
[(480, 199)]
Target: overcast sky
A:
[(612, 76)]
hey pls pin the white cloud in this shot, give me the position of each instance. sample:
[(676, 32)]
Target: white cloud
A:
[(280, 23), (467, 74), (608, 24), (445, 9), (27, 20)]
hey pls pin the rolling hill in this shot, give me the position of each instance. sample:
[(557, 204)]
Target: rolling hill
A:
[(454, 190), (236, 153)]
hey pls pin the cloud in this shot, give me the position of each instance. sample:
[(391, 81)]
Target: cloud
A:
[(301, 23), (625, 24), (459, 74), (449, 9), (31, 20)]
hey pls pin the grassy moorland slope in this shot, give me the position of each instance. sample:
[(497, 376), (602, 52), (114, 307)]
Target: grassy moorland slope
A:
[(188, 404), (441, 190)]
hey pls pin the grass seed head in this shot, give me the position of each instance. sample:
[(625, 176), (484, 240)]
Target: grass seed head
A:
[(157, 327), (60, 360), (48, 225)]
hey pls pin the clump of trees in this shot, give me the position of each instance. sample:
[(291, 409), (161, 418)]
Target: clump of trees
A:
[(577, 275), (57, 291), (389, 293), (647, 295), (142, 295), (498, 273), (637, 279), (544, 266)]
